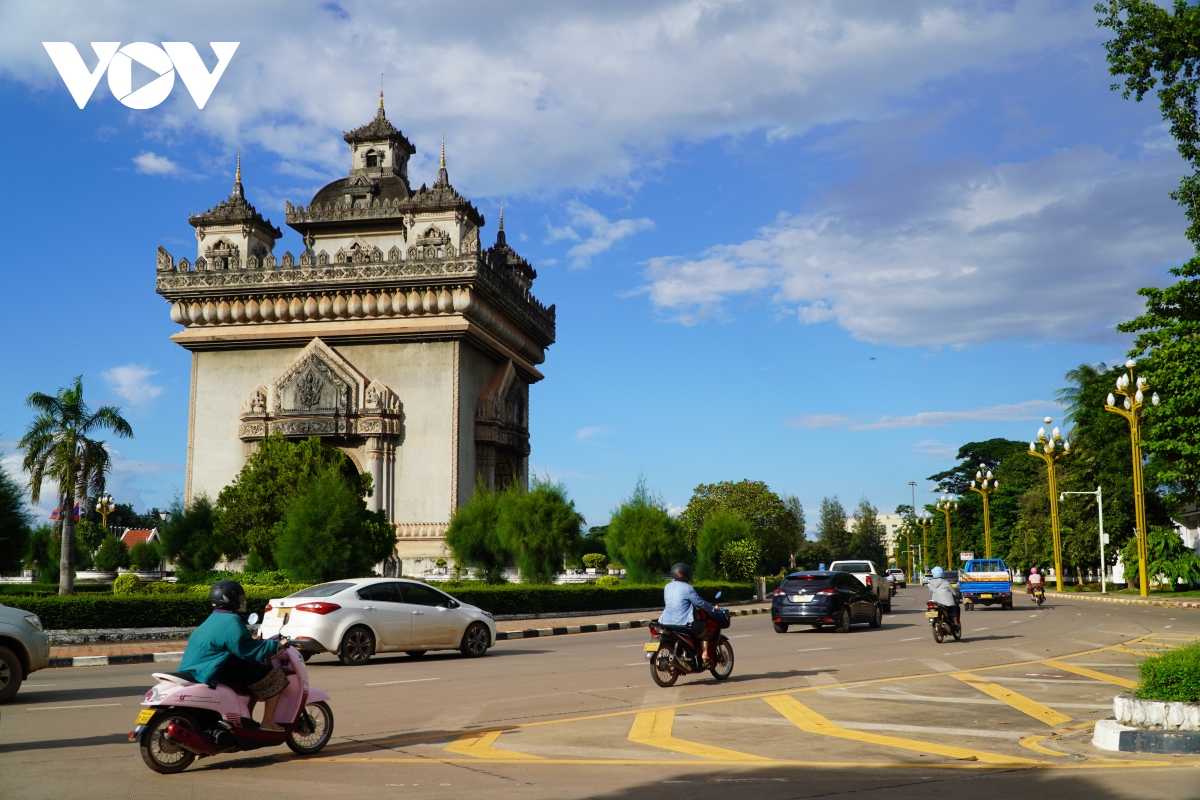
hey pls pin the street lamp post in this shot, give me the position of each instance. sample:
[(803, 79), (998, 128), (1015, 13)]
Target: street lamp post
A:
[(924, 521), (1103, 539), (105, 506), (945, 505), (1134, 392), (1050, 453), (984, 484)]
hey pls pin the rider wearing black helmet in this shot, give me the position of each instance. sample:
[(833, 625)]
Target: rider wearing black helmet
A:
[(679, 600), (222, 650)]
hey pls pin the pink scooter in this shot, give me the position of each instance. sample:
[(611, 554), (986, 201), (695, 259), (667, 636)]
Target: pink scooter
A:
[(184, 719)]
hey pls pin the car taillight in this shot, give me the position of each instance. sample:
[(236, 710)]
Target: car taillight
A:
[(778, 592), (268, 608), (827, 591), (868, 580), (318, 608)]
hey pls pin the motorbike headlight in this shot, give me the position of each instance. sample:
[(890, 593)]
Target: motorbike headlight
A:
[(33, 620)]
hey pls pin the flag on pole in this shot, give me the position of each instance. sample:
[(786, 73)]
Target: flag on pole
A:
[(57, 513)]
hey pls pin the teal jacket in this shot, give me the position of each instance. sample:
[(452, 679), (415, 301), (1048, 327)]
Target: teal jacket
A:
[(220, 637)]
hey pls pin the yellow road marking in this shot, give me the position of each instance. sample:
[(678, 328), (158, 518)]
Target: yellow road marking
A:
[(810, 721), (479, 745), (1107, 763), (1020, 702), (1032, 743), (1090, 673), (654, 728), (1141, 652)]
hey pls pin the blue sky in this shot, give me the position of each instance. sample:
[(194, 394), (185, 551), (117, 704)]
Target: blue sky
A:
[(817, 244)]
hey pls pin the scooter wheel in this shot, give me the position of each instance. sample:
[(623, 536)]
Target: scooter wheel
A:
[(161, 754), (313, 729), (661, 670), (723, 666), (938, 636), (958, 633)]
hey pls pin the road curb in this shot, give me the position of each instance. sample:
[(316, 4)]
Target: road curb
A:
[(501, 636), (1125, 601), (536, 633)]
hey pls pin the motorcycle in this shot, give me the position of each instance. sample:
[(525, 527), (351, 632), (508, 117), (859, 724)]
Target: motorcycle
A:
[(674, 653), (184, 720), (1039, 594), (942, 621)]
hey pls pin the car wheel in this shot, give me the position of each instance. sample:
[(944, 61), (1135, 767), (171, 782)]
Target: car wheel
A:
[(843, 622), (357, 647), (887, 607), (877, 617), (780, 627), (416, 653), (475, 641), (11, 674)]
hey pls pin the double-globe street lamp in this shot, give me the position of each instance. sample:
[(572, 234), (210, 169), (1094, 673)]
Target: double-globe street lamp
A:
[(1051, 451), (1135, 407), (946, 504), (923, 520), (984, 484)]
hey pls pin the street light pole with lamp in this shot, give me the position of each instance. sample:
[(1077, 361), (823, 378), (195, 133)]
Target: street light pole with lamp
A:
[(1134, 392), (984, 484), (105, 506), (945, 505), (924, 521), (1103, 539), (1050, 453)]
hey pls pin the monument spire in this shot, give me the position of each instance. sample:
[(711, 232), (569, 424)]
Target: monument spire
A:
[(500, 240), (237, 178), (443, 177)]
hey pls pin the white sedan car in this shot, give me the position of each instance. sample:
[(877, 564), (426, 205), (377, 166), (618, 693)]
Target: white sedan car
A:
[(359, 617)]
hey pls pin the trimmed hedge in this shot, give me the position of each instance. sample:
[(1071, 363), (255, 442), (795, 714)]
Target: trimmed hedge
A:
[(1171, 677), (185, 610)]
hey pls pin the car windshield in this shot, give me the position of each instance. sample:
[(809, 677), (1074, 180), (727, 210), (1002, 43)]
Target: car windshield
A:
[(852, 566), (801, 583), (986, 566), (323, 590)]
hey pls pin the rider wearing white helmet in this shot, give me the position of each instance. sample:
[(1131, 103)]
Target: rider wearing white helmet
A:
[(944, 593)]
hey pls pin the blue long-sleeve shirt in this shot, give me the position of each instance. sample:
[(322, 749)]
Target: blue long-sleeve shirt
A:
[(679, 598), (220, 637)]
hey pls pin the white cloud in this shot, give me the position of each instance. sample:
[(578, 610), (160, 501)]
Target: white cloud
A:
[(541, 97), (586, 433), (131, 383), (149, 163), (954, 253), (674, 510), (603, 232), (931, 448), (1008, 412)]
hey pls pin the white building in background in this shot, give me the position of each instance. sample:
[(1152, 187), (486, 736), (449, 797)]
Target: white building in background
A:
[(893, 526)]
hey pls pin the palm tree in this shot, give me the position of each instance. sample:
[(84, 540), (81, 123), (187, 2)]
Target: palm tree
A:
[(57, 446)]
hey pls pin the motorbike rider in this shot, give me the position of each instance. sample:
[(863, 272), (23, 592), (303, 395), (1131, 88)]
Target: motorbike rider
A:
[(1036, 581), (679, 602), (222, 650), (944, 593)]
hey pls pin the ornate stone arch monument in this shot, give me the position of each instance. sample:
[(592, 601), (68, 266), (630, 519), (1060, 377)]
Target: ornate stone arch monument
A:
[(393, 337)]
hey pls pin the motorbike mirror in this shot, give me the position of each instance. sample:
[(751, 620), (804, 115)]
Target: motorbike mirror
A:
[(252, 619), (718, 595), (286, 617)]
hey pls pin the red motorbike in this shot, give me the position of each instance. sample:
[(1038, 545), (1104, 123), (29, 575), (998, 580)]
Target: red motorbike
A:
[(673, 652)]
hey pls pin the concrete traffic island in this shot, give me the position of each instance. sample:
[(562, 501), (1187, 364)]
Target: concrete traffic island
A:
[(1149, 726)]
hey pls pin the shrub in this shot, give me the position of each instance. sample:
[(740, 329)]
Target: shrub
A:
[(127, 584), (1171, 677), (540, 527), (739, 559), (474, 534), (719, 530), (594, 560), (607, 580), (643, 536), (145, 555), (188, 538), (112, 554)]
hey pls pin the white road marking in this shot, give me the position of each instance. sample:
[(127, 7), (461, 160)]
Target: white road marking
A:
[(813, 649), (744, 635), (64, 708), (628, 645), (982, 629), (1169, 626), (938, 666), (913, 639), (37, 685), (414, 680)]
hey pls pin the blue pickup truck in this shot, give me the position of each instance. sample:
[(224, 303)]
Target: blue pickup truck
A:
[(986, 581)]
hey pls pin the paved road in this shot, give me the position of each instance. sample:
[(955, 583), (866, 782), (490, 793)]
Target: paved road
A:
[(870, 714)]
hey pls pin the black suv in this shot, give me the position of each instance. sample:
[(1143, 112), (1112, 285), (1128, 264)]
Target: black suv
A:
[(820, 598)]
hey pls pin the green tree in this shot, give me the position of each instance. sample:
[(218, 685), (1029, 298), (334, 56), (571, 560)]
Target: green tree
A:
[(474, 535), (58, 446), (811, 555), (775, 526), (739, 559), (146, 555), (112, 554), (90, 535), (643, 537), (251, 510), (15, 522), (540, 527), (1168, 561), (866, 534), (188, 538), (831, 528), (328, 532), (1015, 471), (1154, 48), (720, 530)]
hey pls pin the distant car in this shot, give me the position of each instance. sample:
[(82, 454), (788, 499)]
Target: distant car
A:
[(24, 649), (819, 598), (871, 577), (899, 576), (949, 575), (359, 617)]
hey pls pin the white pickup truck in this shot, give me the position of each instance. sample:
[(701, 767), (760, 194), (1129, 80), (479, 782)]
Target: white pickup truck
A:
[(869, 574)]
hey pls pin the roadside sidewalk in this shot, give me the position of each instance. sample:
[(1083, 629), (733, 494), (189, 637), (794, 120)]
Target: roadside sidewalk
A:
[(101, 654), (1164, 602)]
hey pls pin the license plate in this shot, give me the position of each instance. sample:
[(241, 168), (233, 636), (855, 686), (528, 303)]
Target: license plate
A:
[(801, 598), (931, 614), (282, 612), (650, 647), (985, 597), (144, 716)]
